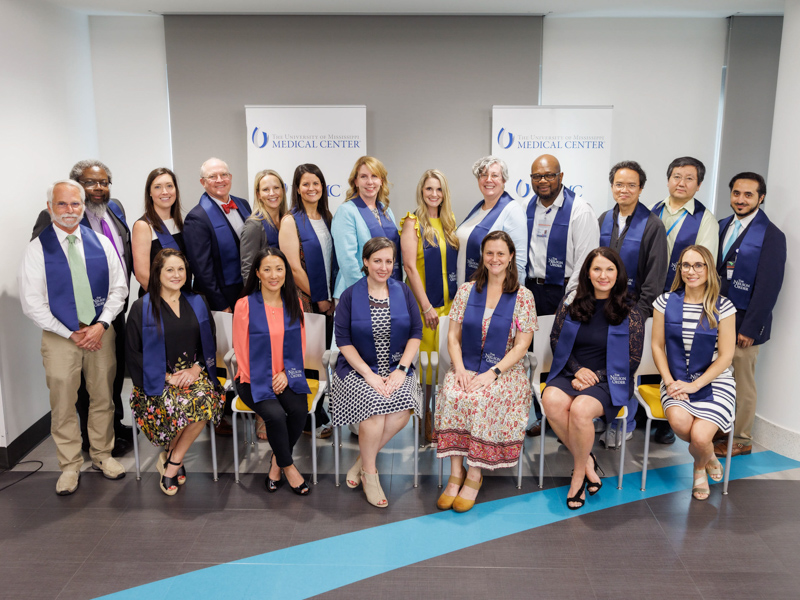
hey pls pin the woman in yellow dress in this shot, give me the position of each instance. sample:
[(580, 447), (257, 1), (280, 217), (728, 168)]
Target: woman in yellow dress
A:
[(430, 251)]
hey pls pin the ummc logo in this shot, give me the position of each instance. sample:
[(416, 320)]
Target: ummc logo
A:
[(523, 189), (334, 190), (509, 137), (264, 138)]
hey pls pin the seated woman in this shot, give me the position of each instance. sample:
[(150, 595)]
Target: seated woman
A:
[(378, 330), (694, 338), (171, 352), (269, 342), (483, 406), (160, 227), (597, 346)]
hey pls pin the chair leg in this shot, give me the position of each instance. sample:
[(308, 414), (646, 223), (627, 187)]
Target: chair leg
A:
[(336, 433), (441, 468), (136, 445), (519, 466), (646, 452), (416, 423), (541, 451), (236, 445), (313, 447), (621, 447), (214, 453), (728, 464)]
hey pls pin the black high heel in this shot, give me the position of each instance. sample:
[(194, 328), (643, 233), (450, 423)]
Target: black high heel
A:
[(302, 489), (169, 485), (577, 497), (591, 486), (273, 484)]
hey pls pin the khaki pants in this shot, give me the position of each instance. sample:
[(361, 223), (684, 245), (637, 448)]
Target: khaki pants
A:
[(63, 363), (744, 372)]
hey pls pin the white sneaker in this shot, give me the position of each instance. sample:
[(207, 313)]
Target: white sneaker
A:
[(609, 438), (599, 425)]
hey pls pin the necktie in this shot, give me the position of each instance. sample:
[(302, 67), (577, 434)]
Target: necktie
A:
[(110, 236), (80, 283), (230, 205), (737, 225)]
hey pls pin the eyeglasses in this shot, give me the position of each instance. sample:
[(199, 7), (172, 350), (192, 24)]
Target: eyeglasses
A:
[(64, 205), (91, 183), (547, 176), (621, 186), (218, 177), (698, 267)]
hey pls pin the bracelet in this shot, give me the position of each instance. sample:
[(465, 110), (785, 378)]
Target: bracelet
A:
[(428, 309)]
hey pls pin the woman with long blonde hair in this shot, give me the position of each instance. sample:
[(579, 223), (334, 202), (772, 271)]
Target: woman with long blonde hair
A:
[(694, 337), (430, 252), (262, 226)]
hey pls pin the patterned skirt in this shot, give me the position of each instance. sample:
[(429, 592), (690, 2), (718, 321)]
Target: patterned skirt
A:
[(161, 417)]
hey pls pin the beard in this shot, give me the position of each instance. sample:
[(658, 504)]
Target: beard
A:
[(98, 210), (67, 221)]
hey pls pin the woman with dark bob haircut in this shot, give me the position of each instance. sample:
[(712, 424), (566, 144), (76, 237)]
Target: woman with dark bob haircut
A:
[(597, 345)]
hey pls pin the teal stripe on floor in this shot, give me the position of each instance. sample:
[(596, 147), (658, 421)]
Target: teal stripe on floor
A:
[(309, 569)]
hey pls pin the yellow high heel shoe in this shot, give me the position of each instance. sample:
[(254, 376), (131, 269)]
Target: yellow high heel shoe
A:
[(460, 504), (445, 502)]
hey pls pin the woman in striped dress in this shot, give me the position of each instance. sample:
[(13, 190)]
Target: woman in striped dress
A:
[(694, 337)]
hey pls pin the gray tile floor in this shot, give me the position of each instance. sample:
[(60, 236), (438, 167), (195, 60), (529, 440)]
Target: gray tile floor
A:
[(113, 535)]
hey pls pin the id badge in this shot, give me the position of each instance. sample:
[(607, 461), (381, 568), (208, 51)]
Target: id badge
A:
[(542, 230), (729, 266)]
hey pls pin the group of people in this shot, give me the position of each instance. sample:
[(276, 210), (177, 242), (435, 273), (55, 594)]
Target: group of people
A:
[(491, 275)]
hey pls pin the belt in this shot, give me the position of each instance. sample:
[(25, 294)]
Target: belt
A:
[(541, 281)]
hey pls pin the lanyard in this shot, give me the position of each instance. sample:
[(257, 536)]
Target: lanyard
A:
[(683, 216)]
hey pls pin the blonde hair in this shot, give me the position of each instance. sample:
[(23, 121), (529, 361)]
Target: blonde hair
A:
[(376, 168), (445, 211), (711, 294), (259, 210)]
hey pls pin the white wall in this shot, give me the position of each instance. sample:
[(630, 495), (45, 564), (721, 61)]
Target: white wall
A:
[(47, 120), (662, 76)]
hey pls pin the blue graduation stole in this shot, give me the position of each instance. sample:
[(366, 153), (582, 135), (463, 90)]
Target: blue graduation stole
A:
[(633, 239), (315, 260), (154, 350), (271, 231), (617, 358), (60, 294), (480, 232), (687, 235), (261, 352), (747, 255), (481, 356), (165, 237), (702, 353), (227, 242), (361, 324), (432, 257), (386, 228), (557, 242)]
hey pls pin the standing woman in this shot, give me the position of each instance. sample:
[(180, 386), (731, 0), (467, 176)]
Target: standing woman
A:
[(483, 406), (364, 215), (171, 359), (160, 227), (261, 227), (378, 330), (269, 341), (307, 243), (694, 338), (430, 250), (496, 212), (597, 345)]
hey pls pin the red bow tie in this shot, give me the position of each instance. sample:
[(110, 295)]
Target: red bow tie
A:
[(229, 206)]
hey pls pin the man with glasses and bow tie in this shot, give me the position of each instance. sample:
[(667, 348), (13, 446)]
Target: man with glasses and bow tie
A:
[(72, 285), (105, 216), (211, 232), (751, 261)]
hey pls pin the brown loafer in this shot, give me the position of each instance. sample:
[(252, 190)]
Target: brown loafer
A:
[(534, 430), (721, 449)]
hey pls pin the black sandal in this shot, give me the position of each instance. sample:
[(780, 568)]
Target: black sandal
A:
[(591, 486), (273, 484), (577, 497), (302, 489), (169, 485)]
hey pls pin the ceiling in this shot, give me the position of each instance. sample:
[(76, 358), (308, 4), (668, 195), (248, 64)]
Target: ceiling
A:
[(560, 8)]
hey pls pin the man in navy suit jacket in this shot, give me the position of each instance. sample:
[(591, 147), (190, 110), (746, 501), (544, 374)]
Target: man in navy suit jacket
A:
[(750, 263), (211, 232)]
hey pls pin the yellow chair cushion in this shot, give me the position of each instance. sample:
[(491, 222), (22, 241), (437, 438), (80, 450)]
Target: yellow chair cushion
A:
[(313, 385), (542, 386), (651, 394)]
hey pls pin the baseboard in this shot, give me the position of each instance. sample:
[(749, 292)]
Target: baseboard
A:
[(776, 438), (26, 442)]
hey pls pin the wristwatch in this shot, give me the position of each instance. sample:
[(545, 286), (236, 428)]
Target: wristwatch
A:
[(104, 324), (402, 368), (497, 372)]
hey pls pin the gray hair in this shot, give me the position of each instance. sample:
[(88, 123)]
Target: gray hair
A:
[(80, 166), (68, 182), (203, 166), (481, 165)]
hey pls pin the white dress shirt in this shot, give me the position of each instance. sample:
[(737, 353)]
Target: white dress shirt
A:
[(583, 236), (97, 227), (32, 281), (745, 222), (234, 218)]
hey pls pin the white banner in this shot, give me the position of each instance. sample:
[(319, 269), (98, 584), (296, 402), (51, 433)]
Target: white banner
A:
[(283, 137), (578, 136)]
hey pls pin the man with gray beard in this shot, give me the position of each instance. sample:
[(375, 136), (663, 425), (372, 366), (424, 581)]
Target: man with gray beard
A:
[(105, 216)]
